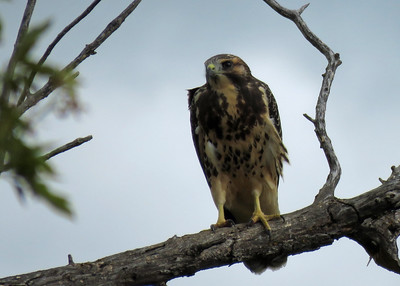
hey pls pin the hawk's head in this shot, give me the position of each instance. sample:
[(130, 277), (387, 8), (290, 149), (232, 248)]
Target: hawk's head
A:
[(225, 69)]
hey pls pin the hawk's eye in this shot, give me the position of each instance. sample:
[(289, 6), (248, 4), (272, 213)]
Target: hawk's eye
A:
[(227, 64)]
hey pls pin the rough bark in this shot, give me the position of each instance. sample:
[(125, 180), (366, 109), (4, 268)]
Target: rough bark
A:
[(371, 219)]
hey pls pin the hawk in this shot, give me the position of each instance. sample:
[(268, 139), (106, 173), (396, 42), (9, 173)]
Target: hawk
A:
[(237, 135)]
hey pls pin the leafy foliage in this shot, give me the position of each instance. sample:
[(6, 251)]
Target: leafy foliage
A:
[(22, 160)]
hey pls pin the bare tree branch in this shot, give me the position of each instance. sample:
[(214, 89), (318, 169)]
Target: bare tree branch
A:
[(77, 142), (16, 155), (295, 16), (6, 88), (51, 47), (304, 230), (5, 94), (89, 50), (371, 219), (328, 190)]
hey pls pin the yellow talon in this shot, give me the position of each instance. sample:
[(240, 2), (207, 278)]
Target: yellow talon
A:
[(258, 214), (222, 222)]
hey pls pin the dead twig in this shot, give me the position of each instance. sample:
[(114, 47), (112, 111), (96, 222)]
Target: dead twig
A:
[(328, 189), (77, 142), (50, 48), (90, 49), (23, 28)]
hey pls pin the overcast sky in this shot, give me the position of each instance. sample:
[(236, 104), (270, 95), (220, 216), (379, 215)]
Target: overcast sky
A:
[(138, 182)]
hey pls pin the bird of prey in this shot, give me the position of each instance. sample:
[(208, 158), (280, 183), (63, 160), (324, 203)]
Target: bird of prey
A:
[(237, 135)]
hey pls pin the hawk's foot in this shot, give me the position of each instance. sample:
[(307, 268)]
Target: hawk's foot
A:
[(263, 218), (224, 223)]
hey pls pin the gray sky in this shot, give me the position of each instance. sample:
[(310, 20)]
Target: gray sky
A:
[(138, 182)]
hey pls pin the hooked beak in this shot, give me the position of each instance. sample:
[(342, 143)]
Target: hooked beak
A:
[(210, 71)]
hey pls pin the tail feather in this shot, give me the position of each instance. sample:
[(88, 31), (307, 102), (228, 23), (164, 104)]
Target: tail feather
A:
[(258, 266)]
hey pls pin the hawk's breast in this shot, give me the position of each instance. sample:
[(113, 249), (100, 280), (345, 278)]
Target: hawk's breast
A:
[(236, 129)]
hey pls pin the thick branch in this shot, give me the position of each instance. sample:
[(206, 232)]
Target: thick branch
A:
[(89, 50), (304, 230), (320, 129)]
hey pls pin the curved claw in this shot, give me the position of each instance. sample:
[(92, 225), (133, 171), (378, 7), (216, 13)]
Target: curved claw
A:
[(226, 223), (260, 216)]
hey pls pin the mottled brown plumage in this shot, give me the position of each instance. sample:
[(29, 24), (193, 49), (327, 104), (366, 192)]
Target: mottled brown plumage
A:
[(237, 135)]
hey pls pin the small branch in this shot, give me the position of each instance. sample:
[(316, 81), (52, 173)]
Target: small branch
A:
[(111, 28), (89, 50), (9, 74), (23, 28), (309, 118), (302, 8), (294, 15), (70, 260), (328, 189), (51, 47), (77, 142), (66, 147)]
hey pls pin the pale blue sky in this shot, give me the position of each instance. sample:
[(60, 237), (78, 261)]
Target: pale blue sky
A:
[(138, 182)]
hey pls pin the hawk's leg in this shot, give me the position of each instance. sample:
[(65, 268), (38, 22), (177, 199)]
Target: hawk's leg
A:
[(222, 222), (258, 214), (218, 187)]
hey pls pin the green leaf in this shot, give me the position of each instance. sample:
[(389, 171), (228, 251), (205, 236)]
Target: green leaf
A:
[(29, 40), (18, 156), (58, 202)]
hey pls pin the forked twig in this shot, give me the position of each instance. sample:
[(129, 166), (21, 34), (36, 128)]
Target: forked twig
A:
[(90, 49), (51, 47)]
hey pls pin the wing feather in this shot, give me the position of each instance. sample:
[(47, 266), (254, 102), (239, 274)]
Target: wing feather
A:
[(197, 133), (272, 106)]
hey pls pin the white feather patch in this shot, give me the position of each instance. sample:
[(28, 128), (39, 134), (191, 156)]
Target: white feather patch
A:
[(210, 151)]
